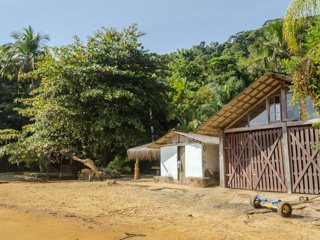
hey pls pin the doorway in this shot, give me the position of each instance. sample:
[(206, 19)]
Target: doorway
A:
[(181, 168)]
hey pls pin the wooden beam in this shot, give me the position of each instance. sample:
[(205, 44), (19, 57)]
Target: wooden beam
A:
[(222, 164), (247, 94), (260, 91), (268, 110), (283, 102), (273, 125), (245, 129), (286, 156), (305, 122)]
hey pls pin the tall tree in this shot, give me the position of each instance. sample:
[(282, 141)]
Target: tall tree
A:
[(305, 71), (20, 57), (94, 100), (268, 49)]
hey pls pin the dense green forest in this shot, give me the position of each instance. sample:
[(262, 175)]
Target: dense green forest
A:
[(99, 98)]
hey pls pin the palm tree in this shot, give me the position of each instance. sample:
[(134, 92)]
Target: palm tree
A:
[(20, 56), (268, 49), (295, 19)]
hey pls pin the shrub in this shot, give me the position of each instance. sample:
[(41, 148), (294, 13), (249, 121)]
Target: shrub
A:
[(108, 172), (121, 165)]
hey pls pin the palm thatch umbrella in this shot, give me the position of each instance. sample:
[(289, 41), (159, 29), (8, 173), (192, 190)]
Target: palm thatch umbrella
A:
[(142, 153)]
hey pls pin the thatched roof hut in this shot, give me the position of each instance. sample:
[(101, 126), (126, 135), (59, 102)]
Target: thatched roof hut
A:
[(143, 153)]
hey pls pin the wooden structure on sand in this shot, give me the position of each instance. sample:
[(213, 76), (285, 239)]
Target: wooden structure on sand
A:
[(141, 153), (264, 144)]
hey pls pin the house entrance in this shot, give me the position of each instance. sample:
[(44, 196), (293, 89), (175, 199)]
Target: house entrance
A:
[(304, 159), (255, 160), (181, 163)]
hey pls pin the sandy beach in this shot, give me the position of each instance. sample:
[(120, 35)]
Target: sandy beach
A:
[(77, 210)]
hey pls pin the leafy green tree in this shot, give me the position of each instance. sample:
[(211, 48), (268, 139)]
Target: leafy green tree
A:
[(201, 84), (295, 19), (20, 57), (305, 71), (238, 43), (94, 100), (268, 48), (185, 79), (9, 91)]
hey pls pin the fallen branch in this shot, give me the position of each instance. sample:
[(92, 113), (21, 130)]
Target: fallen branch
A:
[(258, 211), (129, 235), (89, 163)]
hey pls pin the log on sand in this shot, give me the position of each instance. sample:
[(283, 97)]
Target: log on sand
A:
[(89, 163)]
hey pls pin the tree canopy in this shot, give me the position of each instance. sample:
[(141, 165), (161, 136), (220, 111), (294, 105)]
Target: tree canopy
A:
[(99, 98), (94, 99)]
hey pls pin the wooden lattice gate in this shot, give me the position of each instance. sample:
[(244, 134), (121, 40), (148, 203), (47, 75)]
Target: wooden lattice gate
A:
[(304, 159), (255, 161)]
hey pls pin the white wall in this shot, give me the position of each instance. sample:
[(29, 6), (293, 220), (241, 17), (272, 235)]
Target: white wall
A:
[(210, 154), (193, 157), (169, 165)]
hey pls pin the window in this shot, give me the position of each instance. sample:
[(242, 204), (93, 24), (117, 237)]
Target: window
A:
[(258, 115), (292, 110), (274, 108), (269, 110), (311, 109)]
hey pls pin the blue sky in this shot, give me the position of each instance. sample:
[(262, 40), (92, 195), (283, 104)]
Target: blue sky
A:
[(169, 24)]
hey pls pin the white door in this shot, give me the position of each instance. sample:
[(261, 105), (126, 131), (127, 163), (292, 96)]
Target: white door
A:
[(193, 156), (169, 166)]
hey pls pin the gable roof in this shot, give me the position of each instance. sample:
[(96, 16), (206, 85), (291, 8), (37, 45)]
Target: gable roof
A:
[(242, 103), (161, 142)]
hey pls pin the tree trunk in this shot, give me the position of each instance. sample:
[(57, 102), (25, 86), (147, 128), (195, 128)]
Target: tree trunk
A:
[(105, 156)]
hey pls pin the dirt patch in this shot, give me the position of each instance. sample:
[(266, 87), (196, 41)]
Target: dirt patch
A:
[(132, 210)]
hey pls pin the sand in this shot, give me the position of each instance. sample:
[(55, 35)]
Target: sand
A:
[(75, 210)]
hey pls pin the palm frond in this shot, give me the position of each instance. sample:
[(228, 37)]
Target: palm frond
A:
[(295, 19)]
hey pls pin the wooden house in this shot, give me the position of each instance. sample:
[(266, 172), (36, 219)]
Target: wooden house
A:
[(198, 156), (264, 144)]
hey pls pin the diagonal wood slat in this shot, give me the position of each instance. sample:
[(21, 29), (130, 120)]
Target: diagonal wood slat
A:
[(267, 161), (238, 161), (257, 162), (307, 172)]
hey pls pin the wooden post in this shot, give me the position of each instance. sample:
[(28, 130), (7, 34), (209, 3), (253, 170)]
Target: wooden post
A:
[(286, 156), (283, 103), (222, 171), (136, 170)]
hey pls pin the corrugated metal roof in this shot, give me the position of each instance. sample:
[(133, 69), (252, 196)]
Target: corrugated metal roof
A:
[(242, 103), (193, 136)]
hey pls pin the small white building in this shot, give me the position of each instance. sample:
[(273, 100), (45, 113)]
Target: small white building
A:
[(198, 156)]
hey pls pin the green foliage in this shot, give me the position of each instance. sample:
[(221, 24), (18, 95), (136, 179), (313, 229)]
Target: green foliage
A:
[(120, 164), (305, 70), (21, 56), (93, 100), (202, 84), (9, 91), (109, 172), (295, 20), (268, 48)]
